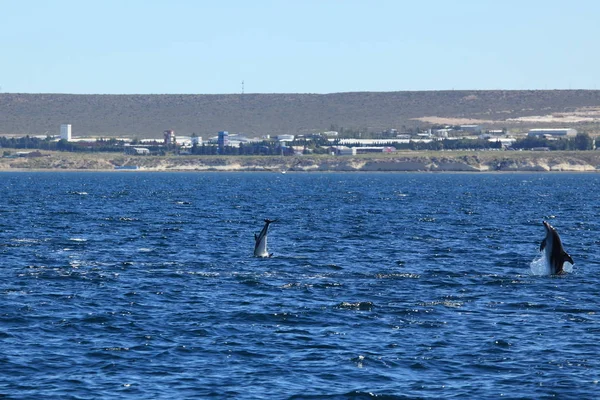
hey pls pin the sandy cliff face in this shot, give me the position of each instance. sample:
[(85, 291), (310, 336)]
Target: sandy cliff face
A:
[(572, 164), (387, 164), (470, 163), (426, 162)]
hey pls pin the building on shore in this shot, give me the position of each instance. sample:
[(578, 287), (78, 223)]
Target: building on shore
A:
[(443, 133), (553, 132), (65, 132), (169, 137), (196, 140), (285, 138), (136, 150), (352, 151), (472, 129), (342, 151), (222, 140)]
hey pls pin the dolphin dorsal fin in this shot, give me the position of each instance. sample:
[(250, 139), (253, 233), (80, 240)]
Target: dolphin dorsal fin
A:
[(567, 257)]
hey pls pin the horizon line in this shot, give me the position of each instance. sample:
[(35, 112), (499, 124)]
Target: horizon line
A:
[(296, 93)]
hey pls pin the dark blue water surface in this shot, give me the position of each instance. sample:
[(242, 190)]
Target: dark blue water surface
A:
[(142, 285)]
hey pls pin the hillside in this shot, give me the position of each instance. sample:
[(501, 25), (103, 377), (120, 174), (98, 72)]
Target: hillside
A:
[(259, 114)]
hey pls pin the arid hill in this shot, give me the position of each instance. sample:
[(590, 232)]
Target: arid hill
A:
[(146, 116)]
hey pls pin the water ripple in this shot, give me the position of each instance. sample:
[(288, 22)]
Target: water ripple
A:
[(382, 286)]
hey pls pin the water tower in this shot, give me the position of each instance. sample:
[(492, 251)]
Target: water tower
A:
[(65, 132)]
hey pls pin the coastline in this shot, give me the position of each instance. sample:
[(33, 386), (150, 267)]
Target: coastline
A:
[(407, 161)]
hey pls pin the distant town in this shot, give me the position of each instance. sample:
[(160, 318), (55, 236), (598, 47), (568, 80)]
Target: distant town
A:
[(332, 142)]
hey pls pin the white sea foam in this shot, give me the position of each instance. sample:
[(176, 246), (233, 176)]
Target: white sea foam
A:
[(26, 240), (540, 265)]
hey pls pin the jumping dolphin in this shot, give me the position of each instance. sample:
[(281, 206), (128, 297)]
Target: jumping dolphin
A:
[(260, 241), (555, 254)]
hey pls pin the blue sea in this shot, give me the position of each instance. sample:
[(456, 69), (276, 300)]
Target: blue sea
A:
[(140, 285)]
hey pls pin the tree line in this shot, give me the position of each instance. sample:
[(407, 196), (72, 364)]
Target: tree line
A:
[(582, 141), (34, 143), (315, 145)]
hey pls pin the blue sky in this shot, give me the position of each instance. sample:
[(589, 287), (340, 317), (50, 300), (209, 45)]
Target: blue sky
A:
[(299, 46)]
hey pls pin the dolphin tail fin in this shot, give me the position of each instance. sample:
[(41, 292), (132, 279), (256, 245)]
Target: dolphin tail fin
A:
[(269, 221)]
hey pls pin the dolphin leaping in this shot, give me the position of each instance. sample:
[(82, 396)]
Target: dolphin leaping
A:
[(553, 250), (260, 241)]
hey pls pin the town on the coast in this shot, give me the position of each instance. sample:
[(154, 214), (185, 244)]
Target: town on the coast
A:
[(343, 142)]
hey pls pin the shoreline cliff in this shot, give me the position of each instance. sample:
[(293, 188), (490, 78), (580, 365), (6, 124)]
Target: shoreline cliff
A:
[(442, 161)]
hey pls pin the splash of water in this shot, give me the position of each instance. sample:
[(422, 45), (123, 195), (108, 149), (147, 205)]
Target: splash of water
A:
[(568, 267), (540, 265)]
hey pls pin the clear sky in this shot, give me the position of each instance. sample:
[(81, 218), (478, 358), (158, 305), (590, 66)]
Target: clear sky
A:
[(296, 46)]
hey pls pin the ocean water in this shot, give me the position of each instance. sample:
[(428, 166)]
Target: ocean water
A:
[(395, 285)]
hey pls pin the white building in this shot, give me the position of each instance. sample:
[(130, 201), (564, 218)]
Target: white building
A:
[(65, 132), (196, 140), (342, 150), (285, 138), (187, 141), (141, 150), (506, 142), (474, 129), (352, 151), (553, 132), (443, 133), (129, 149)]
